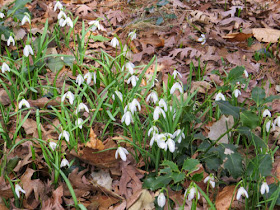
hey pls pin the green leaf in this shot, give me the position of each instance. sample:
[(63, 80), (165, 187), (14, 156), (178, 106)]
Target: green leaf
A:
[(19, 14), (55, 64), (4, 30), (159, 21), (270, 99), (154, 183), (197, 177), (11, 165), (213, 162), (99, 38), (265, 165), (235, 74), (19, 4), (258, 142), (178, 177), (190, 164), (249, 119), (227, 109), (234, 165), (258, 94), (161, 3), (171, 165)]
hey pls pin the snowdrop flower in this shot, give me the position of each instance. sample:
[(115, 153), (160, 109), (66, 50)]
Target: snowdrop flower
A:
[(115, 42), (236, 93), (70, 96), (18, 189), (53, 145), (163, 104), (134, 105), (268, 126), (153, 130), (264, 188), (64, 134), (96, 25), (175, 73), (127, 118), (119, 94), (69, 22), (79, 123), (122, 152), (246, 73), (132, 35), (243, 192), (157, 111), (62, 22), (202, 39), (176, 86), (211, 180), (192, 193), (2, 15), (161, 141), (27, 50), (64, 163), (153, 97), (266, 113), (22, 103), (25, 19), (61, 15), (88, 77), (130, 66), (81, 108), (57, 5), (228, 151), (10, 40), (133, 80), (5, 68), (277, 121), (170, 143), (219, 97), (161, 200), (79, 79), (180, 135)]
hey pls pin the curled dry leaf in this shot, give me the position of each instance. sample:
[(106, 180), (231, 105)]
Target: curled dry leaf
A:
[(200, 86), (141, 200), (237, 37), (266, 34), (225, 198), (94, 142)]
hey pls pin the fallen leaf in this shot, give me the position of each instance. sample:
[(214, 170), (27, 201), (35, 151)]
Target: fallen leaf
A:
[(104, 201), (94, 142), (30, 127), (200, 86), (237, 37), (266, 34), (102, 178), (4, 98), (141, 200), (225, 198)]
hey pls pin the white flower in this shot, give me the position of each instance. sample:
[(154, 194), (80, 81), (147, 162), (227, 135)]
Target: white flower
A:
[(88, 77), (161, 200), (202, 39), (180, 135), (211, 180), (192, 193), (246, 73), (64, 134), (243, 192), (264, 188), (18, 189), (64, 163), (2, 15), (268, 125), (53, 145), (27, 50), (96, 25), (132, 35), (171, 145), (11, 39), (70, 96), (69, 22), (134, 105), (157, 111), (175, 73), (61, 15), (79, 79), (22, 103), (266, 113), (133, 80), (219, 97), (153, 96), (119, 94), (115, 42), (62, 22), (127, 118), (228, 151), (122, 152), (161, 141), (5, 68), (153, 130), (163, 104), (81, 108), (176, 86), (79, 123), (25, 19), (236, 93), (277, 121), (57, 5), (130, 66)]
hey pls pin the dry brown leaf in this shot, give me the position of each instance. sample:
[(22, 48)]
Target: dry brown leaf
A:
[(104, 201), (266, 34), (237, 37), (30, 127), (275, 171), (225, 198), (4, 98), (200, 86), (141, 200), (94, 142)]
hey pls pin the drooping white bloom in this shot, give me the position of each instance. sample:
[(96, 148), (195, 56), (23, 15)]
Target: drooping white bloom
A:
[(277, 121), (241, 192), (53, 145), (5, 68), (264, 188), (64, 163), (161, 200), (202, 39), (57, 5), (64, 134), (118, 94), (18, 189), (176, 86), (96, 25), (153, 130), (132, 35), (268, 125), (236, 93), (180, 135), (192, 193), (61, 15), (157, 111), (79, 123), (122, 152), (161, 141), (22, 103), (153, 96), (69, 22), (25, 19), (175, 73), (115, 42), (130, 66), (79, 79), (69, 95), (127, 118), (133, 80), (211, 180), (246, 73), (171, 144), (228, 151), (219, 97), (266, 113), (134, 105), (11, 39), (2, 15), (27, 50), (88, 77), (62, 22), (81, 108), (163, 104)]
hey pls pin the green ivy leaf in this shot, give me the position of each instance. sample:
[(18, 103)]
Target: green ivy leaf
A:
[(171, 165), (258, 94), (249, 119), (197, 177), (178, 177), (154, 183), (227, 109), (234, 165), (236, 74), (190, 164)]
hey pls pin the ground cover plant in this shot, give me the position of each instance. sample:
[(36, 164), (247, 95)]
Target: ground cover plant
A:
[(139, 105)]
